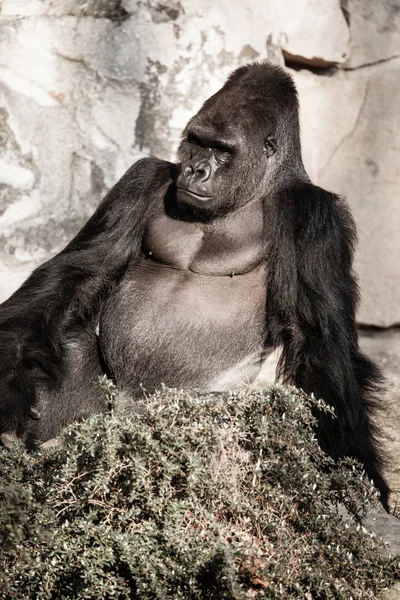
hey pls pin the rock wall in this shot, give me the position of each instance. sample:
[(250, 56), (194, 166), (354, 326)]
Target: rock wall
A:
[(88, 87)]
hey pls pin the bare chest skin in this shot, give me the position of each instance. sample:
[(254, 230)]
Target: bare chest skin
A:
[(190, 312), (226, 247)]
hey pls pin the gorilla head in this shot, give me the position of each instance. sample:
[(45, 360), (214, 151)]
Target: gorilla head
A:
[(241, 144)]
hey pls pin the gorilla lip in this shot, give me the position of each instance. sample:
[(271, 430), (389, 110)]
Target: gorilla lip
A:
[(196, 196)]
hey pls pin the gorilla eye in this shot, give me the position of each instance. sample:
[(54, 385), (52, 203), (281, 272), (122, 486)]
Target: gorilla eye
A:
[(269, 146), (222, 148), (193, 139), (208, 142)]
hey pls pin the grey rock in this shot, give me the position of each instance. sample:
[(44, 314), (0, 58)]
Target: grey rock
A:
[(374, 30), (313, 32), (393, 593), (378, 524), (386, 527)]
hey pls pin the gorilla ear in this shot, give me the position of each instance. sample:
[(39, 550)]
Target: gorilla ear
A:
[(269, 148)]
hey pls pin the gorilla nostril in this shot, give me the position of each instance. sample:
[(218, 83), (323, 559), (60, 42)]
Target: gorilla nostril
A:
[(197, 171), (203, 171), (188, 171)]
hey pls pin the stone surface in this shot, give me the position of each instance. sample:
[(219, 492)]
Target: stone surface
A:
[(89, 86), (374, 31), (112, 9), (312, 32), (393, 593), (380, 525)]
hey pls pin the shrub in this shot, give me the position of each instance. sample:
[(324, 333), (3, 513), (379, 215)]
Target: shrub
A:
[(216, 496)]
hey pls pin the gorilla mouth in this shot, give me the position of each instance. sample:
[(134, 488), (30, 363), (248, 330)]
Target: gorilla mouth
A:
[(194, 195)]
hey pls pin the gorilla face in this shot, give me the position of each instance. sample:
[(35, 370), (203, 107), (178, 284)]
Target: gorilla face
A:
[(210, 159), (220, 172), (227, 153)]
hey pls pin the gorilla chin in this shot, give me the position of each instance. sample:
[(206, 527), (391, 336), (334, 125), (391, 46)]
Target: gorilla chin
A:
[(186, 196), (192, 206)]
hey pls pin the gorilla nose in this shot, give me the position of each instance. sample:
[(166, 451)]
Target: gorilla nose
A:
[(198, 171)]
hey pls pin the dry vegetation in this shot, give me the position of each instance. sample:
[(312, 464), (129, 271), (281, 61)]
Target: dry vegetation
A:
[(199, 497)]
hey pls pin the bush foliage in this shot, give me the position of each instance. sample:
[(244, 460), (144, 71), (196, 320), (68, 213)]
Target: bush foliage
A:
[(218, 496)]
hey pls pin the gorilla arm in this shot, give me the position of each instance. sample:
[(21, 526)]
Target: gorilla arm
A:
[(64, 294), (313, 298)]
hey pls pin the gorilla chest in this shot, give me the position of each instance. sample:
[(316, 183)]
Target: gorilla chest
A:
[(224, 247), (209, 276), (190, 312)]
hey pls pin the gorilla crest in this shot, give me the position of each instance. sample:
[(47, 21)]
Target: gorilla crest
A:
[(194, 272)]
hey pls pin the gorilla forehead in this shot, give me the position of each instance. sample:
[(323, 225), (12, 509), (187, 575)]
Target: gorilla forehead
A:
[(258, 93), (262, 80)]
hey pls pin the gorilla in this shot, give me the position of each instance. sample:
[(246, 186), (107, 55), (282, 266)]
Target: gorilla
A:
[(192, 273)]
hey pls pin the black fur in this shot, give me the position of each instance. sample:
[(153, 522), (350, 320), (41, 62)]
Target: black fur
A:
[(195, 272), (61, 299), (314, 296)]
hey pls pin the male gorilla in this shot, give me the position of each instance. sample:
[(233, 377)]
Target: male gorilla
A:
[(194, 272)]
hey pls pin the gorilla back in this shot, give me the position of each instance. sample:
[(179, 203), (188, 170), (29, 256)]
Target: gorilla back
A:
[(195, 271)]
